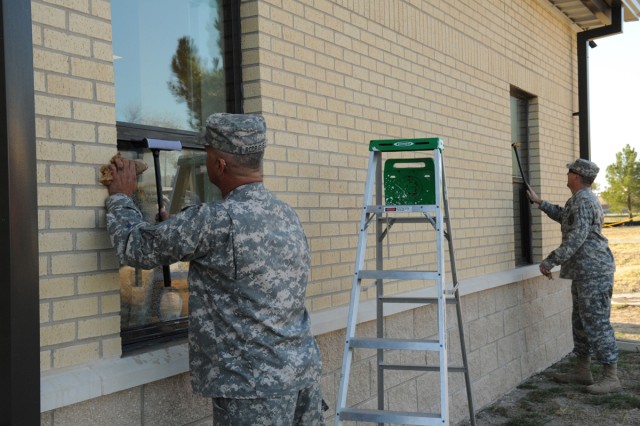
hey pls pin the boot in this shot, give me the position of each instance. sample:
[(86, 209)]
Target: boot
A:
[(609, 382), (581, 374)]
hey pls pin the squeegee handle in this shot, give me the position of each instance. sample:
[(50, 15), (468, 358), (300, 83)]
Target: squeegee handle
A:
[(524, 179), (166, 272), (156, 164), (515, 150)]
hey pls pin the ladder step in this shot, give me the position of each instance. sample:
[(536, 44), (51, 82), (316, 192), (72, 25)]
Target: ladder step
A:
[(416, 300), (395, 220), (399, 344), (393, 417), (414, 208), (408, 367), (398, 275)]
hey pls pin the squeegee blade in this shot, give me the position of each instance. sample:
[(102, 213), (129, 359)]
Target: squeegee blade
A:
[(163, 145)]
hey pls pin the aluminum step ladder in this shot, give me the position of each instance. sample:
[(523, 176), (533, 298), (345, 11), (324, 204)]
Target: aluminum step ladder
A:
[(414, 192)]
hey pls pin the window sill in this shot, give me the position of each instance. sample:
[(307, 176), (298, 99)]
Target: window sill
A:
[(63, 387), (59, 388), (336, 319)]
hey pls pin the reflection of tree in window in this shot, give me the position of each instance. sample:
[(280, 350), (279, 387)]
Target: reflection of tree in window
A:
[(200, 88), (135, 114)]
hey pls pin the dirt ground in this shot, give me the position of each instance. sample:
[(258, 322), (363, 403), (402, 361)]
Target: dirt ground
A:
[(541, 401), (625, 313)]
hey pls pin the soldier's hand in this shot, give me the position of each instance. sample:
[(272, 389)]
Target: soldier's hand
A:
[(546, 272), (162, 215), (533, 196), (124, 177)]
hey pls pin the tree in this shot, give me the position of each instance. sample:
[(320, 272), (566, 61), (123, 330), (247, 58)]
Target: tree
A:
[(624, 181), (195, 82)]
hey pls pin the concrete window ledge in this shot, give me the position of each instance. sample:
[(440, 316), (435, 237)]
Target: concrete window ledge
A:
[(336, 319), (63, 387), (59, 388)]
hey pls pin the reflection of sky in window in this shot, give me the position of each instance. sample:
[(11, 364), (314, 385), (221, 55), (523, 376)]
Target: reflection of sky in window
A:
[(145, 37)]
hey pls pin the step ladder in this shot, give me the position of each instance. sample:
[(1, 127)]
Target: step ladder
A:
[(414, 192)]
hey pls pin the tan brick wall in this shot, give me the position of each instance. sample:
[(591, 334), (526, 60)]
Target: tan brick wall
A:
[(332, 75), (329, 76), (75, 116)]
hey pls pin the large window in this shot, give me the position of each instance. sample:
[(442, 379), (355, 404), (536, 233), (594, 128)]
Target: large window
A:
[(521, 129), (176, 62)]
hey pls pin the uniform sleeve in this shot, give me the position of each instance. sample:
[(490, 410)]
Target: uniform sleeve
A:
[(144, 245), (575, 229), (552, 210)]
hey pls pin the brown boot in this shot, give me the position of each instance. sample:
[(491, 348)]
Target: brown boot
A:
[(581, 375), (609, 382)]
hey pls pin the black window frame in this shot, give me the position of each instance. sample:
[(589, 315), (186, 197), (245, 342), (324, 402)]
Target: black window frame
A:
[(523, 245), (140, 338)]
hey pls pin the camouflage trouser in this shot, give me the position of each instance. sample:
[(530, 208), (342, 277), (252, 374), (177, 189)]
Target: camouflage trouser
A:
[(592, 330), (301, 408)]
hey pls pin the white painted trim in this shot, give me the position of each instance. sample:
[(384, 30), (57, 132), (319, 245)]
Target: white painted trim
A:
[(63, 387), (558, 13)]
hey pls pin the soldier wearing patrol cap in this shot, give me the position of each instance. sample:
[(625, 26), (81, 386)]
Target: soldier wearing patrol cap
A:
[(585, 168), (586, 259), (250, 344)]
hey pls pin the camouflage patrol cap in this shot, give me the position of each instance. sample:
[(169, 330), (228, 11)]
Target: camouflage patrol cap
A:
[(237, 134), (584, 168)]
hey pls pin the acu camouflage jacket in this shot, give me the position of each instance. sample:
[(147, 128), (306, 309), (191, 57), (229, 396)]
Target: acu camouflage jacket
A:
[(249, 330), (584, 251)]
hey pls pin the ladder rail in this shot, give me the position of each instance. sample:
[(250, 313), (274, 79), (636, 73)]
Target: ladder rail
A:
[(454, 276), (442, 305), (379, 284), (347, 356)]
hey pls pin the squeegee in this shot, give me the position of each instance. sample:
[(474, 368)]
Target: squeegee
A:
[(157, 145)]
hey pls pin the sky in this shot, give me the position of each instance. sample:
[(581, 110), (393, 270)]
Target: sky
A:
[(614, 96)]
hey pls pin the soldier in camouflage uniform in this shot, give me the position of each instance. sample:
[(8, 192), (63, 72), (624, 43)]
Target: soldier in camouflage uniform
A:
[(586, 259), (250, 345)]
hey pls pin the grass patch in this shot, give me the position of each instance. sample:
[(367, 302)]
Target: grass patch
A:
[(526, 421), (500, 411), (528, 386), (616, 401), (627, 358), (543, 395), (623, 242), (619, 307)]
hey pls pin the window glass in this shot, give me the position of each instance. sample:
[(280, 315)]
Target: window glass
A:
[(146, 299), (520, 161), (168, 61), (170, 74)]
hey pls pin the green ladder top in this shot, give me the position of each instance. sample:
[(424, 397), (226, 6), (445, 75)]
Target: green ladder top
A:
[(419, 144)]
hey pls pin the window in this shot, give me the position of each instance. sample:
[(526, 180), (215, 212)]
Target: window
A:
[(176, 62), (521, 129)]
